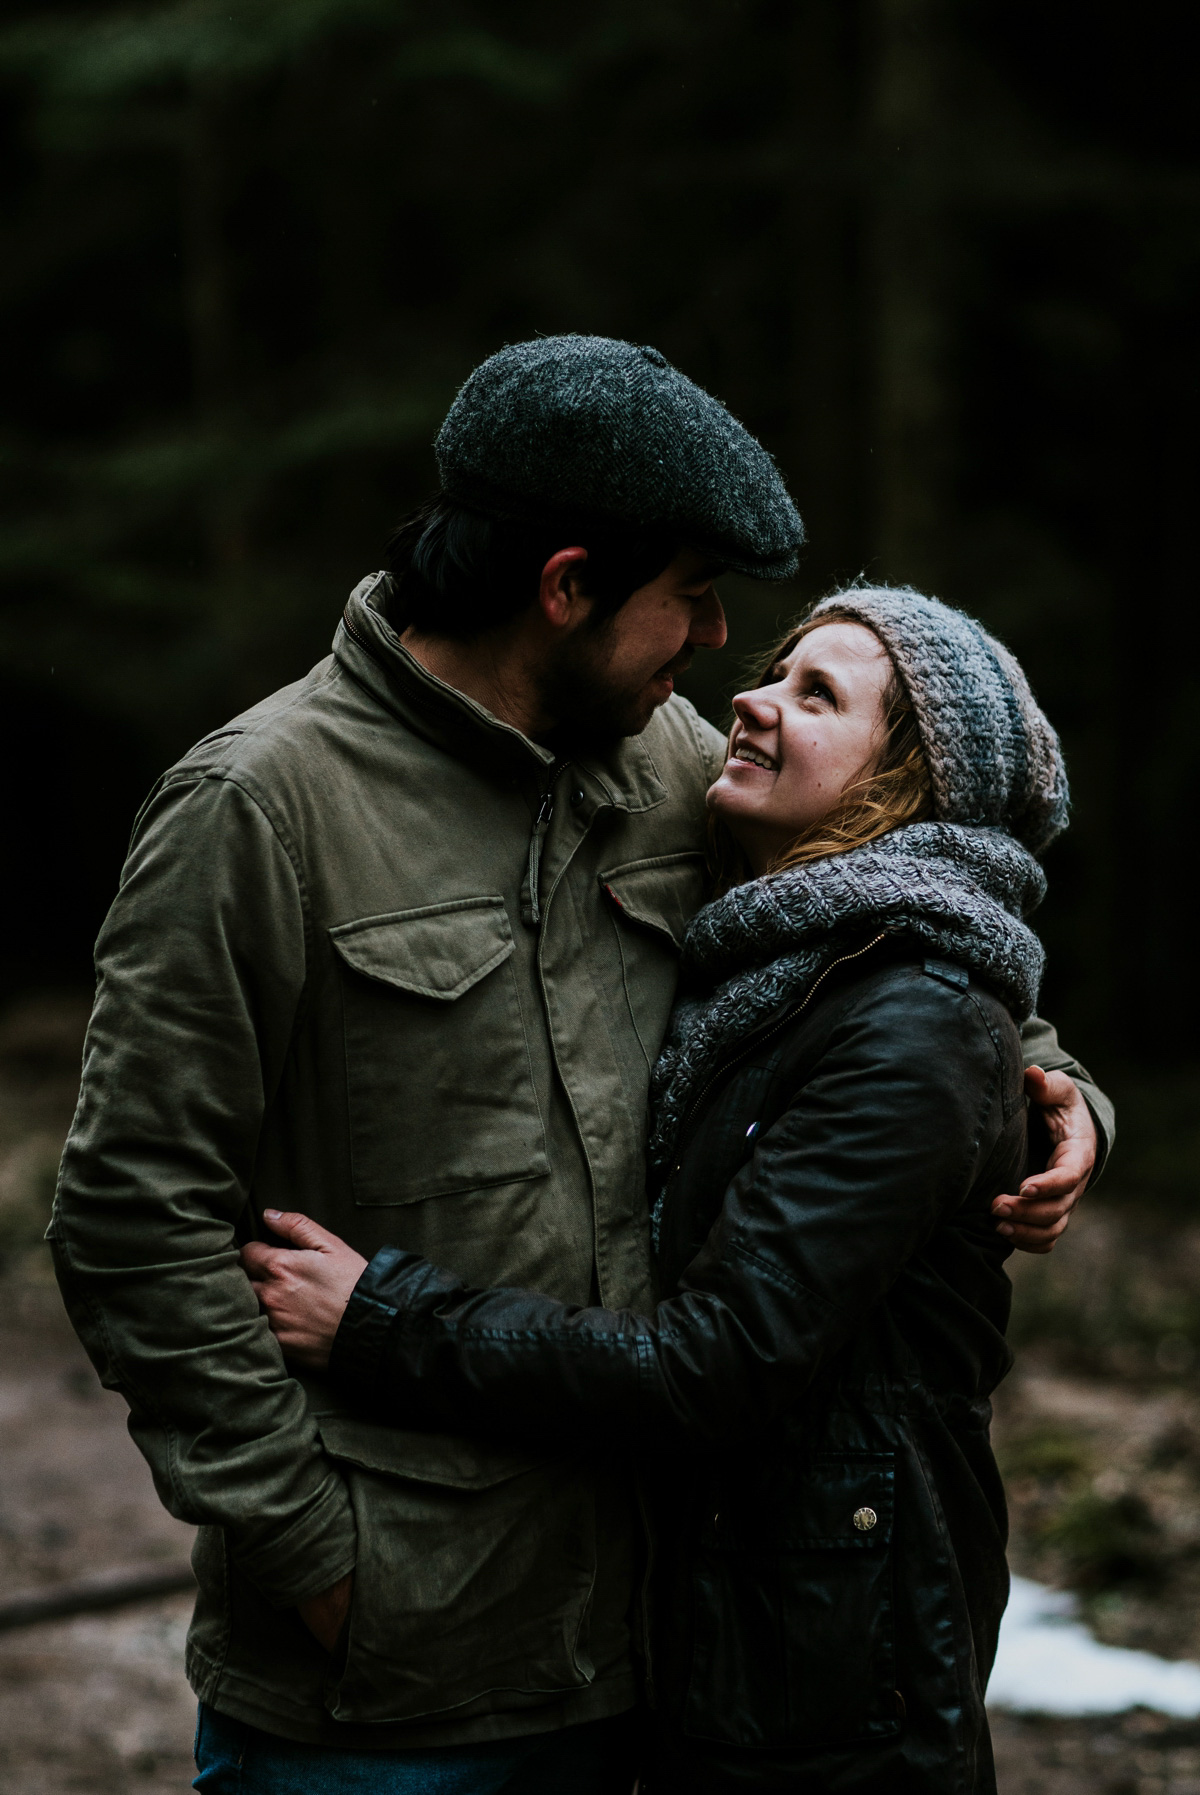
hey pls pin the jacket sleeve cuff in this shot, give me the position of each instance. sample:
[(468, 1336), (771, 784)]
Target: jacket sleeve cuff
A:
[(311, 1555), (1104, 1116), (356, 1358)]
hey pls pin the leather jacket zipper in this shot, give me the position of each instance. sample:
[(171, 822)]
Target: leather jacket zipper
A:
[(757, 1040)]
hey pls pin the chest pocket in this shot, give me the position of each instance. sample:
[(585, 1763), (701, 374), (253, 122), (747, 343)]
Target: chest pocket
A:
[(651, 903), (439, 1085)]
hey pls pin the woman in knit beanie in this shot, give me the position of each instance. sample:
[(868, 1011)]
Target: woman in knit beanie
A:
[(839, 1103), (963, 743)]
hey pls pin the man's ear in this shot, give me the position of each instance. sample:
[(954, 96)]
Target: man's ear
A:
[(560, 593)]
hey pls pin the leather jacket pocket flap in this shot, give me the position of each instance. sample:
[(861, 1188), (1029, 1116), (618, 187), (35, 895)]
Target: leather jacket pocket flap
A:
[(438, 951), (824, 1504), (662, 893), (794, 1635), (449, 1460)]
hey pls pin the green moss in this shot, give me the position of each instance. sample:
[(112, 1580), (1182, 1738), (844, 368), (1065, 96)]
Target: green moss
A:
[(1106, 1541)]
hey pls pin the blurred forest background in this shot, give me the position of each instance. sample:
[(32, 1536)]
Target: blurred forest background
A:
[(941, 255)]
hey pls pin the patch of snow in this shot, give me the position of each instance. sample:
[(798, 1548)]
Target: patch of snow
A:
[(1048, 1663)]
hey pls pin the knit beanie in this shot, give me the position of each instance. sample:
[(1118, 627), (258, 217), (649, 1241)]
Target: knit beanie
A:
[(994, 759), (592, 427)]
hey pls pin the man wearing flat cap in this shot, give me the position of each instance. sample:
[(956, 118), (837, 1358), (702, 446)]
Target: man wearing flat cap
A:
[(397, 948)]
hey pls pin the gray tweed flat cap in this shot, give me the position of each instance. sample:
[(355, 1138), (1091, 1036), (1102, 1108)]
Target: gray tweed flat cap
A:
[(591, 425), (993, 757)]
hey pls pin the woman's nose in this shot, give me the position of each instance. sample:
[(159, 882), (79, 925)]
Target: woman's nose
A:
[(755, 710)]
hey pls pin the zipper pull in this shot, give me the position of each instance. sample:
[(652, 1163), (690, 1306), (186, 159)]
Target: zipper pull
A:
[(531, 912)]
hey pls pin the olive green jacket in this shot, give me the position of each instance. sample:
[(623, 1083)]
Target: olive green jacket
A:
[(375, 956)]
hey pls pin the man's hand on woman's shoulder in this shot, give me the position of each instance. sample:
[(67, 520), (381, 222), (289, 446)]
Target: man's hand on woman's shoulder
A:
[(1035, 1218)]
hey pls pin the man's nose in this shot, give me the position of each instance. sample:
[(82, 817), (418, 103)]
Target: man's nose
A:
[(708, 628)]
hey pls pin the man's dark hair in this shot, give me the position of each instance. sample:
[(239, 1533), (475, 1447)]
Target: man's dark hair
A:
[(456, 572)]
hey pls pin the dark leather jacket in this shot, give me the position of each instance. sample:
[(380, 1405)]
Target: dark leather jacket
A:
[(810, 1398)]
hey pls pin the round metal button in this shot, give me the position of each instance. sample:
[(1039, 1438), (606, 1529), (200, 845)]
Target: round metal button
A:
[(865, 1519), (577, 797)]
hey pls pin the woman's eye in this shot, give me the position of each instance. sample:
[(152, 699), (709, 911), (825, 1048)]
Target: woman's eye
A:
[(819, 689)]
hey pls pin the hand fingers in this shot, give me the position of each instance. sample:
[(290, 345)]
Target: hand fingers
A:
[(1062, 1191), (262, 1261), (1069, 1167), (1037, 1216), (1035, 1079), (1050, 1090), (291, 1225), (271, 1299), (1036, 1240)]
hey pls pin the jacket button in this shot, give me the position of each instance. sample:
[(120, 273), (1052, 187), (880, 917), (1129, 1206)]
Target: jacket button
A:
[(865, 1519), (577, 797)]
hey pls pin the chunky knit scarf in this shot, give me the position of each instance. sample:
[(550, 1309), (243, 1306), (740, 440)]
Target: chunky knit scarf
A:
[(751, 955)]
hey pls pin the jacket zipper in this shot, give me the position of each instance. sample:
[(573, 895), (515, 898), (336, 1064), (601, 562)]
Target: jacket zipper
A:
[(757, 1040), (531, 910), (354, 635)]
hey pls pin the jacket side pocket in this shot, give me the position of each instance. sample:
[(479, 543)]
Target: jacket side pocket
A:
[(794, 1643), (475, 1573)]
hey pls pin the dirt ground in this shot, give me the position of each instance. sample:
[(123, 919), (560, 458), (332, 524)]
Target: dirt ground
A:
[(98, 1705), (94, 1705), (1098, 1432)]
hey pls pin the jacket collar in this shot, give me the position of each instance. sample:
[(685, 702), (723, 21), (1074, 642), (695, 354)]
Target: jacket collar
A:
[(373, 654)]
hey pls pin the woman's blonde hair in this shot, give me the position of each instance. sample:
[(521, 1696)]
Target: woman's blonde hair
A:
[(897, 790)]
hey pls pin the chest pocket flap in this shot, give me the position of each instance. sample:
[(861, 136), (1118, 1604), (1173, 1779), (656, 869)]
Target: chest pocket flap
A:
[(662, 893), (439, 951), (439, 1079)]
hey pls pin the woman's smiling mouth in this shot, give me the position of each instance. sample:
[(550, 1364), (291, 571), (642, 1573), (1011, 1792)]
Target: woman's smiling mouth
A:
[(755, 756)]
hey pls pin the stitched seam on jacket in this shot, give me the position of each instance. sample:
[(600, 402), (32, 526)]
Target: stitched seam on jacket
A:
[(266, 809), (777, 1274), (994, 1036), (262, 805)]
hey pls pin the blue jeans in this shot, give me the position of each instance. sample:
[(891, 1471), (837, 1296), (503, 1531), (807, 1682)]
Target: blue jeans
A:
[(597, 1758)]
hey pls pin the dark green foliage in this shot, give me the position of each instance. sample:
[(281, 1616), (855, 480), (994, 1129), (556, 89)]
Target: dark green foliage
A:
[(939, 258)]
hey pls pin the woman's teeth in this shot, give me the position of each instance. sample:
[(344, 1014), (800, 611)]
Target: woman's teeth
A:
[(756, 758)]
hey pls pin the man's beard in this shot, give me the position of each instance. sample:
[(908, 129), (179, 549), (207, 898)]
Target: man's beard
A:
[(594, 710)]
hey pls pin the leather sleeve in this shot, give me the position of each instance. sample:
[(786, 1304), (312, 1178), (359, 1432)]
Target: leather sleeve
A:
[(906, 1106)]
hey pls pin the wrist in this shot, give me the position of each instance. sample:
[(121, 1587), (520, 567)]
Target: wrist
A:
[(358, 1344)]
